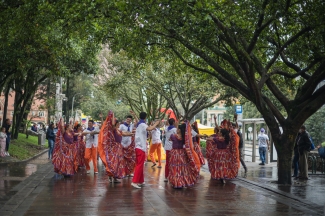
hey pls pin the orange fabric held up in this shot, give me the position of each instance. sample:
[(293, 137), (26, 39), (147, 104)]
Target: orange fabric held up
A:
[(101, 147), (195, 156)]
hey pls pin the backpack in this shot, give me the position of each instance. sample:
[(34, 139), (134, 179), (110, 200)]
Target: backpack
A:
[(312, 147)]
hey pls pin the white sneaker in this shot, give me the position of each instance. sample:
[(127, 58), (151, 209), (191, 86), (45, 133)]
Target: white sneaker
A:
[(96, 172), (8, 154), (142, 184), (131, 175), (88, 171), (135, 185)]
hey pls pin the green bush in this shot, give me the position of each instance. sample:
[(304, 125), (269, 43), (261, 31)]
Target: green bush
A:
[(203, 144)]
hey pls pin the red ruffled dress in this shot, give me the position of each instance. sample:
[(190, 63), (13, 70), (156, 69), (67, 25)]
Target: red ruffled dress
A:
[(111, 150), (129, 156), (223, 159), (81, 148), (183, 162), (64, 154)]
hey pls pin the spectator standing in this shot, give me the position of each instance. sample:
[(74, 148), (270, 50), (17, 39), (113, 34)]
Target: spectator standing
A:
[(51, 139), (3, 137), (7, 125), (263, 143), (304, 145), (34, 128)]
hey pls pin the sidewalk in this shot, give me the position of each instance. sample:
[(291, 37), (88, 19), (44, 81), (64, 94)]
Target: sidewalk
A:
[(45, 193)]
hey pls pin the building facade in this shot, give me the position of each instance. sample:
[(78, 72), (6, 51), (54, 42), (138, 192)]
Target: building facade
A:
[(38, 113)]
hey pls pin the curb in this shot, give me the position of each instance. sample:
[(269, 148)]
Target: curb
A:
[(26, 160), (306, 203)]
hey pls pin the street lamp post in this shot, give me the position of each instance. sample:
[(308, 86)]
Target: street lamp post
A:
[(72, 105)]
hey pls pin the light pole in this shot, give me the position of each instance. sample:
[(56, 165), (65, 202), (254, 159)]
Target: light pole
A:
[(72, 105)]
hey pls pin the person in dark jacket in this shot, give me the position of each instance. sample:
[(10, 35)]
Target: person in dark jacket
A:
[(303, 145), (51, 139)]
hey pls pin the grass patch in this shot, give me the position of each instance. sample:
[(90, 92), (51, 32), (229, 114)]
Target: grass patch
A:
[(23, 148)]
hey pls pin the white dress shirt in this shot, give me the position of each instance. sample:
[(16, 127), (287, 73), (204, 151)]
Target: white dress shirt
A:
[(91, 140), (141, 137), (126, 140)]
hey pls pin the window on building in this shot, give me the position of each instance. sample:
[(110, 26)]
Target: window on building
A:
[(41, 114), (12, 113)]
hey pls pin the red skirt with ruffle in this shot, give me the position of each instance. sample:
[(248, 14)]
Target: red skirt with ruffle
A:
[(223, 163), (198, 151), (64, 158), (181, 172), (129, 156), (81, 148)]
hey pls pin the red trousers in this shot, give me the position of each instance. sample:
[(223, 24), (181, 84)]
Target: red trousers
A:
[(139, 164), (167, 163), (91, 155)]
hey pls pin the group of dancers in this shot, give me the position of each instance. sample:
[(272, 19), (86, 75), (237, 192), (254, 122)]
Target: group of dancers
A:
[(123, 149)]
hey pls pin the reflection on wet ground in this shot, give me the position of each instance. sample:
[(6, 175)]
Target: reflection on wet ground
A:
[(92, 194), (309, 190), (14, 173)]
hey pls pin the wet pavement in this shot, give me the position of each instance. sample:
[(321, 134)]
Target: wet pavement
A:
[(13, 173), (46, 193)]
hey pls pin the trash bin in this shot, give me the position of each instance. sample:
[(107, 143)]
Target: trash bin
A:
[(41, 139)]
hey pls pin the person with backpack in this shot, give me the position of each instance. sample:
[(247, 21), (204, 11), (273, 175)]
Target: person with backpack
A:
[(304, 146)]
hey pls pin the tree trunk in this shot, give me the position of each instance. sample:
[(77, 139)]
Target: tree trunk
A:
[(284, 147), (66, 109), (5, 106)]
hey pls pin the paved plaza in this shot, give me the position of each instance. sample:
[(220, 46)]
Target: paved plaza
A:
[(46, 193)]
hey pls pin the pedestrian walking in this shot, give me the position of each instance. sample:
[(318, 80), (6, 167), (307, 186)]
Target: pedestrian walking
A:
[(304, 145), (263, 143), (141, 149), (3, 137), (7, 125), (51, 139)]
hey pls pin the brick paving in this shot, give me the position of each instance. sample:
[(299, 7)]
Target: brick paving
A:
[(46, 193)]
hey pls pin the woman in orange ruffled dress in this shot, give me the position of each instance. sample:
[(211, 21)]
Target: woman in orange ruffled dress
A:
[(223, 153), (80, 145), (65, 151), (110, 148), (184, 164), (196, 142)]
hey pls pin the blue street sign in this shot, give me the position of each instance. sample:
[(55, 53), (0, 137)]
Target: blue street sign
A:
[(239, 109)]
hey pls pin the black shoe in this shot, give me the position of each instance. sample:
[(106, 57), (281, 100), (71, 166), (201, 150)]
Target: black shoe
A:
[(294, 176), (245, 168), (261, 164), (154, 165)]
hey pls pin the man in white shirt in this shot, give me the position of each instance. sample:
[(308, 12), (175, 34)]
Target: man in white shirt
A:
[(263, 143), (155, 146), (91, 146), (129, 151), (171, 129), (141, 149)]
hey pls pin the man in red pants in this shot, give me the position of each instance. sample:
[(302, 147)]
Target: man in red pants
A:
[(141, 149)]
